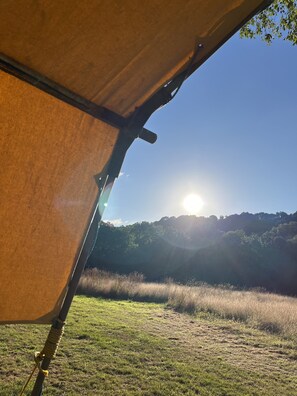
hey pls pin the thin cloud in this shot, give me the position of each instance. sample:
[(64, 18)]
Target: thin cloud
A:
[(116, 222)]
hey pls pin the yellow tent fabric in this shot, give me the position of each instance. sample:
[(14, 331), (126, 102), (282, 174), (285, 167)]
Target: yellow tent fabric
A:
[(116, 54), (49, 153)]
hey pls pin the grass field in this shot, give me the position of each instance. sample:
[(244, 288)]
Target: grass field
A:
[(265, 311), (134, 348)]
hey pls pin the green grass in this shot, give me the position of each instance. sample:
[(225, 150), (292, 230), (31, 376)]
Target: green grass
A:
[(133, 348)]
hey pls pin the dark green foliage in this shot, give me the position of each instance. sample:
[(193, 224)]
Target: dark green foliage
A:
[(246, 250), (279, 20)]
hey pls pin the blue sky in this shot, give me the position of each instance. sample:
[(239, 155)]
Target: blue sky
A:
[(230, 136)]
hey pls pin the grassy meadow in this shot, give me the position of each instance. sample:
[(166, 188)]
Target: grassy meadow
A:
[(265, 311), (124, 347)]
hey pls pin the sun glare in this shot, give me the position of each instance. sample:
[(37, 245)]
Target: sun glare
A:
[(193, 203)]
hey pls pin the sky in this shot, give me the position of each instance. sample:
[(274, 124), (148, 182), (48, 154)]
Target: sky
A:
[(229, 136)]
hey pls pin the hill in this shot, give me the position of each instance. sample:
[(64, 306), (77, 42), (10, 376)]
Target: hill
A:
[(134, 348), (246, 250)]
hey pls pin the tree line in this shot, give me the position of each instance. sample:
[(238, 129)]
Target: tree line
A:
[(245, 250)]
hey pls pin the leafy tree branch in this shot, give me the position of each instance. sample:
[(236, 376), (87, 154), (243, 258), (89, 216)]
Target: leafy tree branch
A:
[(279, 20)]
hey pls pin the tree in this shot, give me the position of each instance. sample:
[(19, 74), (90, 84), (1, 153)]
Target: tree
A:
[(279, 20)]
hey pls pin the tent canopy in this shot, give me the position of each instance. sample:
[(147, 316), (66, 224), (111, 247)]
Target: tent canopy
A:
[(75, 76)]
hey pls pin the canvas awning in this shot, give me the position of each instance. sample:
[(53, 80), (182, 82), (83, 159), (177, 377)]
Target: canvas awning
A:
[(79, 79)]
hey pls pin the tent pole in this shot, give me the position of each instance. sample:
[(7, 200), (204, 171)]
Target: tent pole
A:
[(113, 169), (80, 264), (126, 137)]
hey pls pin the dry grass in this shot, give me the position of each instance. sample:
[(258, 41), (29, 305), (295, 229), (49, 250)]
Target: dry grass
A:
[(270, 312)]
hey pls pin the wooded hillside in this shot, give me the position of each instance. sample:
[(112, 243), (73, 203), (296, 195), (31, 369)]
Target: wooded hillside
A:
[(246, 250)]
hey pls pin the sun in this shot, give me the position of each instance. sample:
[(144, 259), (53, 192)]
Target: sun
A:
[(193, 203)]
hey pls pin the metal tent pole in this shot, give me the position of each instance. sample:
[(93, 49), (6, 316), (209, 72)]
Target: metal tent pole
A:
[(127, 135), (113, 169), (80, 264)]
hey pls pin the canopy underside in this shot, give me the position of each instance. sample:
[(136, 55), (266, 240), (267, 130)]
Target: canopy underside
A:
[(116, 53), (50, 153), (113, 54)]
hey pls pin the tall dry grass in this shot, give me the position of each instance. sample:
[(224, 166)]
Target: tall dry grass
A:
[(267, 311)]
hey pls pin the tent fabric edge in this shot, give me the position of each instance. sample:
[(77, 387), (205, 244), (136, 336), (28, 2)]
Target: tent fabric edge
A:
[(186, 71), (43, 83), (104, 114)]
